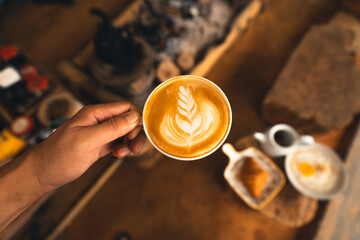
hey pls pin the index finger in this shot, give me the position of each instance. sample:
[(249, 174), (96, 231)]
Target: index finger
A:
[(113, 128), (94, 114)]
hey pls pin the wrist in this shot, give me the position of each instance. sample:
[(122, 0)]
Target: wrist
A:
[(33, 172), (25, 175), (19, 188)]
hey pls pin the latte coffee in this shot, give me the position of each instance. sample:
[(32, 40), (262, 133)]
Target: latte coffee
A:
[(187, 117)]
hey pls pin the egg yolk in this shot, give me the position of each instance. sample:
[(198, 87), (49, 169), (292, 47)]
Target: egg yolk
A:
[(306, 169)]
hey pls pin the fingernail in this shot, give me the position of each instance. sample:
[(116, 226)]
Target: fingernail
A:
[(131, 117)]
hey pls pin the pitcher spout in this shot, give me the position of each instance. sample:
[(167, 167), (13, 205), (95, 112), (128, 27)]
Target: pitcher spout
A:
[(260, 137)]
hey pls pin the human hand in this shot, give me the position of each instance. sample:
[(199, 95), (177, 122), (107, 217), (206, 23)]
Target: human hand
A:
[(92, 133)]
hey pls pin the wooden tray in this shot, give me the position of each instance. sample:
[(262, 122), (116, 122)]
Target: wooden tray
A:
[(80, 81), (290, 207)]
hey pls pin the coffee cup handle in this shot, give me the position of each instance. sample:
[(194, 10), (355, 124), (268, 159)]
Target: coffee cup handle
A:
[(306, 140)]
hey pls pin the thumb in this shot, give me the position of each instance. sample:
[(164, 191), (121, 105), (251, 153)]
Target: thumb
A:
[(114, 127)]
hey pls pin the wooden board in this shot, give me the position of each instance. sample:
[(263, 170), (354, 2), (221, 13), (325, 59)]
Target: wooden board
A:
[(342, 217), (240, 25), (289, 207), (74, 70)]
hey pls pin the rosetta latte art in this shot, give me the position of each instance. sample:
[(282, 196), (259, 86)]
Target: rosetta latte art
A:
[(192, 123)]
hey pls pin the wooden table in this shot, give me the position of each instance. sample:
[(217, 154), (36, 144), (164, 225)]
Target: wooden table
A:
[(191, 200), (177, 200)]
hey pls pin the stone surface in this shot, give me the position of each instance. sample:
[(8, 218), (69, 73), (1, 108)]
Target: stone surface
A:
[(318, 89)]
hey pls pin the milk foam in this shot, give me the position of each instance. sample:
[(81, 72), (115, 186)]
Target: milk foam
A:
[(193, 122)]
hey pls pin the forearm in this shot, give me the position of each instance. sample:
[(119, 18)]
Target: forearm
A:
[(19, 188), (67, 153)]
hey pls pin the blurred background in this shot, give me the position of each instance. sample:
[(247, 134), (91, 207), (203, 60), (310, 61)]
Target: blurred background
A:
[(278, 61)]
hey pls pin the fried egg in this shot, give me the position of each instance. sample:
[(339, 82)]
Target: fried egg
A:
[(315, 170)]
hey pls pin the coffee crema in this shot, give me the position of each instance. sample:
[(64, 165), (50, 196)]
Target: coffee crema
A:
[(187, 117)]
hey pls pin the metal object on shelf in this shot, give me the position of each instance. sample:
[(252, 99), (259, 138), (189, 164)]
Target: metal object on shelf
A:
[(22, 125), (57, 106), (121, 62)]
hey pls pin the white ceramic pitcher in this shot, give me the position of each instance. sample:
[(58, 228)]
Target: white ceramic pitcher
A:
[(281, 139)]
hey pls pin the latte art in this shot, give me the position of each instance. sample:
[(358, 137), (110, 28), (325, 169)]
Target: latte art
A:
[(192, 124), (187, 117)]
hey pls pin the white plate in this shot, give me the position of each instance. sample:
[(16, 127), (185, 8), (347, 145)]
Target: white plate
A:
[(336, 160)]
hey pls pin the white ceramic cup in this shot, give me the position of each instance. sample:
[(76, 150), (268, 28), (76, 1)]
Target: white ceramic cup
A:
[(281, 139), (194, 158)]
